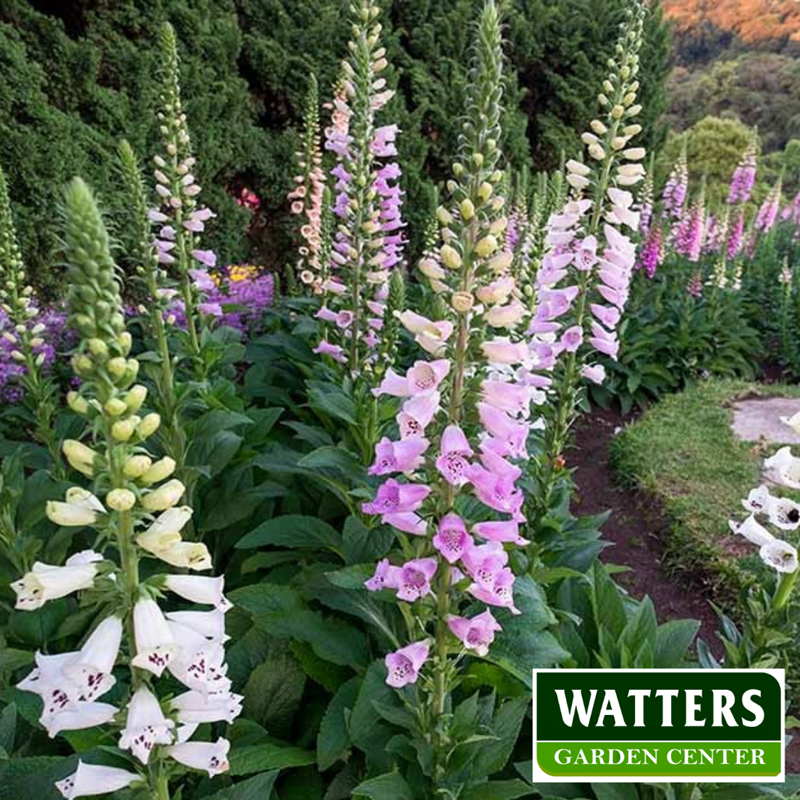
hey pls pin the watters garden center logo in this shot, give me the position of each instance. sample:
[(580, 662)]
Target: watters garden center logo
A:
[(665, 725)]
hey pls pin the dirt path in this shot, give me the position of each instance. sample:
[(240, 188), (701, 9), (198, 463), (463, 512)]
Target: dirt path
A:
[(635, 528)]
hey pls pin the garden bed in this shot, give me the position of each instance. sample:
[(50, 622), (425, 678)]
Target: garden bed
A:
[(685, 456)]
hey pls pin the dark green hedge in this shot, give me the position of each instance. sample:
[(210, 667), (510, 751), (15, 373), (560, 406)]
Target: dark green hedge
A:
[(77, 77)]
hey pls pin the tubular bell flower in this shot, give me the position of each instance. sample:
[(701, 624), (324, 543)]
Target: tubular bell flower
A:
[(744, 176), (190, 644)]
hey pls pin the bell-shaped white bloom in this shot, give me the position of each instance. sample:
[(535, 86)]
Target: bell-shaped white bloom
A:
[(758, 500), (78, 717), (752, 531), (784, 468), (90, 780), (196, 707), (155, 647), (199, 589), (206, 756), (210, 624), (188, 555), (166, 496), (199, 663), (173, 520), (783, 513), (793, 422), (65, 679), (91, 668), (81, 507), (146, 725), (779, 555), (47, 582)]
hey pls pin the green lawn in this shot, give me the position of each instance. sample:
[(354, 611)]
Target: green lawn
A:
[(683, 453)]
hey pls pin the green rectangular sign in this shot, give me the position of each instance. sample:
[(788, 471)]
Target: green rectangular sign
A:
[(680, 725)]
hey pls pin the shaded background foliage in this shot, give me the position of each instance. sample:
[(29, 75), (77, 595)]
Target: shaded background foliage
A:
[(79, 76)]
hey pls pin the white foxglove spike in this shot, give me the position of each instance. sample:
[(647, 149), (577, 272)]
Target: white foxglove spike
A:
[(210, 624), (155, 647), (199, 663), (187, 555), (90, 780), (78, 717), (196, 707), (199, 589), (47, 582), (145, 726), (206, 756)]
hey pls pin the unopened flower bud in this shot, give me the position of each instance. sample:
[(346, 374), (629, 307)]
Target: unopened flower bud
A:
[(135, 396), (597, 152), (443, 215), (486, 246), (164, 497), (450, 257), (115, 407), (123, 429), (159, 471), (149, 425), (467, 209), (462, 302), (77, 403), (117, 367), (79, 456), (121, 499), (485, 190), (136, 466)]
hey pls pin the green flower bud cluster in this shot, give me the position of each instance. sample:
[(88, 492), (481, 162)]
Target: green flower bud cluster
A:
[(93, 294), (474, 225)]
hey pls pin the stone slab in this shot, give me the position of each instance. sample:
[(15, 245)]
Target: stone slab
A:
[(759, 419)]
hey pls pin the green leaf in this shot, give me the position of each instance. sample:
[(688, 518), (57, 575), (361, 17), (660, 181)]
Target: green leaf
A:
[(213, 453), (329, 676), (267, 598), (267, 756), (293, 530), (330, 400), (332, 639), (498, 790), (257, 788), (362, 544), (615, 791), (230, 507), (333, 740), (12, 659), (316, 437), (8, 728), (493, 755), (34, 777), (368, 732), (335, 463), (391, 786), (673, 640), (274, 690)]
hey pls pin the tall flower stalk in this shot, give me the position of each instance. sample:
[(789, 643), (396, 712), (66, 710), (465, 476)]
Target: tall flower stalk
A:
[(368, 240), (462, 423), (308, 194), (133, 509), (180, 217), (588, 242), (24, 331), (157, 288)]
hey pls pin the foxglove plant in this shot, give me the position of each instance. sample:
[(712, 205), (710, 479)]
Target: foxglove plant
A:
[(589, 244), (448, 480), (767, 632), (307, 195), (677, 187), (368, 240), (24, 328), (181, 218), (158, 290), (744, 176), (133, 507)]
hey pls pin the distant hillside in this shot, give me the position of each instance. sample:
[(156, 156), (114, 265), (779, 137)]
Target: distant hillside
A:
[(737, 58), (704, 29)]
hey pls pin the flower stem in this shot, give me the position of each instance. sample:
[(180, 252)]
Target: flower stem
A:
[(784, 590)]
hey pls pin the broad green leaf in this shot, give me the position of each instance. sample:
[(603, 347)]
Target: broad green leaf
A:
[(673, 640), (267, 756), (391, 786), (615, 791), (8, 727), (293, 530), (330, 400), (498, 790), (267, 598), (333, 740), (362, 544), (256, 788)]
